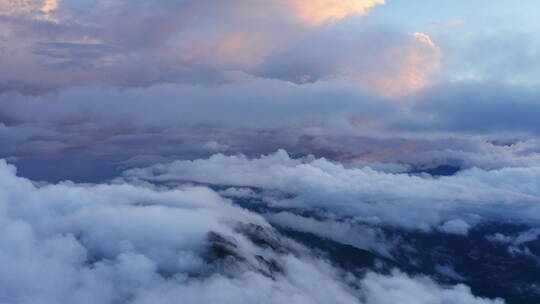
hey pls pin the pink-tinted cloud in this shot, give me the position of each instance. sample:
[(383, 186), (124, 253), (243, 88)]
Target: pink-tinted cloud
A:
[(205, 42), (236, 50), (38, 9), (316, 12), (410, 65)]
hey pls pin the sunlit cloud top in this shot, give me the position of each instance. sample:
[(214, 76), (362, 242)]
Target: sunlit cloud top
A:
[(316, 12), (101, 76), (40, 9)]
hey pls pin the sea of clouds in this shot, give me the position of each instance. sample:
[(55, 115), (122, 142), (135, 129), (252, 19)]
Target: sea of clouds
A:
[(135, 241), (451, 204)]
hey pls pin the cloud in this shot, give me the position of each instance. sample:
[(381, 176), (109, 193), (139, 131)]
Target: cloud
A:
[(400, 288), (456, 226), (48, 46), (120, 243), (319, 11), (40, 9), (381, 61), (451, 204), (419, 58), (144, 243), (332, 119), (350, 232), (91, 89), (517, 244), (228, 43)]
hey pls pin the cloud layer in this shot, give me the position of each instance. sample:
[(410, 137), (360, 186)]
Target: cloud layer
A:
[(123, 243), (116, 83), (450, 204)]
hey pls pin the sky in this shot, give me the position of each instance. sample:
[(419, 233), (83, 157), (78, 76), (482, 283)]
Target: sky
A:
[(329, 113), (98, 83)]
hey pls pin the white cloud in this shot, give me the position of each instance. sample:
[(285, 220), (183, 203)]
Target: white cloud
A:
[(452, 203), (400, 288), (517, 243), (350, 232), (121, 243), (130, 244), (455, 226)]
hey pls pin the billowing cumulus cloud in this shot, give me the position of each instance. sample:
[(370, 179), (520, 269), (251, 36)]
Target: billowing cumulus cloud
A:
[(400, 288), (134, 244), (200, 42), (49, 45), (124, 243), (318, 11), (450, 204), (384, 62)]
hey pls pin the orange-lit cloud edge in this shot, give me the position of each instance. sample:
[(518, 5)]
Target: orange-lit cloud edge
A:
[(317, 12), (30, 7), (412, 63)]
